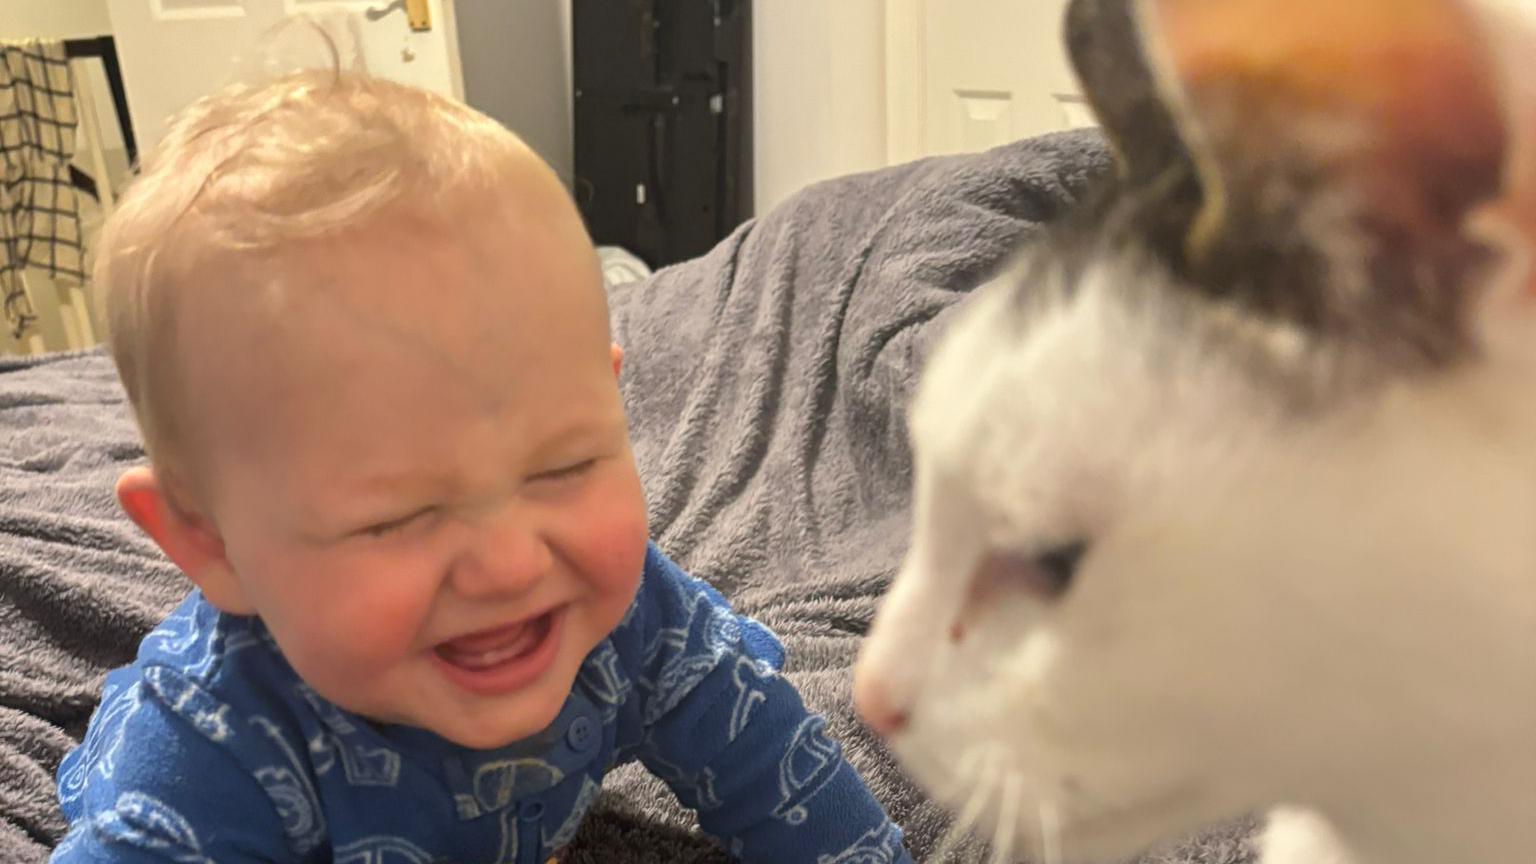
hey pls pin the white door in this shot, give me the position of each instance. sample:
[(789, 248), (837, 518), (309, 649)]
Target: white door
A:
[(965, 75), (173, 51)]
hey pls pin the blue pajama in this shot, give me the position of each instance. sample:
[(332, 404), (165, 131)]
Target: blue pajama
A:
[(209, 748)]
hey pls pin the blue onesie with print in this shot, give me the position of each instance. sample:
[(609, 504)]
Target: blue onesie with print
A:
[(208, 748)]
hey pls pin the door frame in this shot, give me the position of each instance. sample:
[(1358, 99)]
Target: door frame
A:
[(906, 80)]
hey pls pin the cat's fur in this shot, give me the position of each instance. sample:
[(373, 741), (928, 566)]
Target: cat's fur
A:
[(1280, 381)]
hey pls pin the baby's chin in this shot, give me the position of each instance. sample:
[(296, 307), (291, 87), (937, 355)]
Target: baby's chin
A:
[(494, 726), (493, 737)]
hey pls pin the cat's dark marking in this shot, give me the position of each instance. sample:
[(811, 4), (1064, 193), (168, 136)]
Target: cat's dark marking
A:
[(1297, 243)]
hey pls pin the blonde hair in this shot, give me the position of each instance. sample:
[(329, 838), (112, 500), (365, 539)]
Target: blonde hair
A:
[(251, 169)]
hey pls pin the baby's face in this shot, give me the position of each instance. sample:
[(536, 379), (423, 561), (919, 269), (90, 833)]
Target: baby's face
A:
[(421, 471)]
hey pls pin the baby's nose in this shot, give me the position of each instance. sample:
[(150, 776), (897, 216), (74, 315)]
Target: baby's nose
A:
[(509, 556), (874, 703)]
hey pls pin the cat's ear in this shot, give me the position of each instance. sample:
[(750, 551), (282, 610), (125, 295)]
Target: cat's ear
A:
[(1394, 106), (1510, 222), (1107, 52)]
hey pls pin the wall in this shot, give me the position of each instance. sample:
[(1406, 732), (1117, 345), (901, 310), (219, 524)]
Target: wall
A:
[(60, 19), (516, 56), (819, 92)]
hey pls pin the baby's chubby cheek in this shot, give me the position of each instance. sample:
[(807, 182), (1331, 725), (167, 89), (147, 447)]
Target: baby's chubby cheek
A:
[(610, 547), (616, 550), (359, 632)]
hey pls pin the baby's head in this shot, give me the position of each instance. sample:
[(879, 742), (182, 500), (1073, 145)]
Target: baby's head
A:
[(364, 334)]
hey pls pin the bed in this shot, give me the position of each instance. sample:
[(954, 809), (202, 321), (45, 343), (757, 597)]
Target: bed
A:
[(766, 384)]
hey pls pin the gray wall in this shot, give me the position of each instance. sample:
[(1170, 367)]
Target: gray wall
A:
[(516, 60)]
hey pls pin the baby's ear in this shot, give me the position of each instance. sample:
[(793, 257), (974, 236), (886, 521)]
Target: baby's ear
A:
[(185, 537)]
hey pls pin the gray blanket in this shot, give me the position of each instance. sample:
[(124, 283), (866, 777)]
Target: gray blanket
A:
[(766, 384)]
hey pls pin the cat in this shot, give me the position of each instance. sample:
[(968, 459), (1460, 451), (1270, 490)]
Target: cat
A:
[(1225, 489)]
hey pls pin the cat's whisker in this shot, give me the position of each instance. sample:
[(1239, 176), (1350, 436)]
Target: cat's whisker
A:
[(947, 843), (1008, 807), (990, 773), (1050, 832), (970, 764), (952, 838)]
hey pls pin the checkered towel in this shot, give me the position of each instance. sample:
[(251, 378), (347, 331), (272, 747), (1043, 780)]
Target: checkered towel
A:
[(39, 210)]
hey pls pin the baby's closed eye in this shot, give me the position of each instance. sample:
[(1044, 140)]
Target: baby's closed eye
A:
[(568, 471), (396, 524)]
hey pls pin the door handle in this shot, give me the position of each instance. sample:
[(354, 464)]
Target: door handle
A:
[(418, 13)]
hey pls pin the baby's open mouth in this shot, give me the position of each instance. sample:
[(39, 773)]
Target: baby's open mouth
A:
[(501, 658), (495, 646)]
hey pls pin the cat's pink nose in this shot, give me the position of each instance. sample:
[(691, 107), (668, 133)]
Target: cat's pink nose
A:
[(874, 705)]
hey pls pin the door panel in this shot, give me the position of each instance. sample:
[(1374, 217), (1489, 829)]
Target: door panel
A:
[(966, 75)]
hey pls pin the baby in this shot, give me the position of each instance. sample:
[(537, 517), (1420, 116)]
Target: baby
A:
[(365, 337)]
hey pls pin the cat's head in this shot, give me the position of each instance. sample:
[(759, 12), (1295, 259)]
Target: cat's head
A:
[(1210, 481)]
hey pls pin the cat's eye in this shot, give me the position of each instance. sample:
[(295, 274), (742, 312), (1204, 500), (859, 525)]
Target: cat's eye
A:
[(1056, 567), (1043, 574)]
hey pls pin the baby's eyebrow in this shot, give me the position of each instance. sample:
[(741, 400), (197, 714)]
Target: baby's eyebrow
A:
[(353, 496), (394, 488), (575, 434)]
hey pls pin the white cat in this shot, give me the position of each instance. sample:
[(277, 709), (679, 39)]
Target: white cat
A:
[(1226, 491)]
